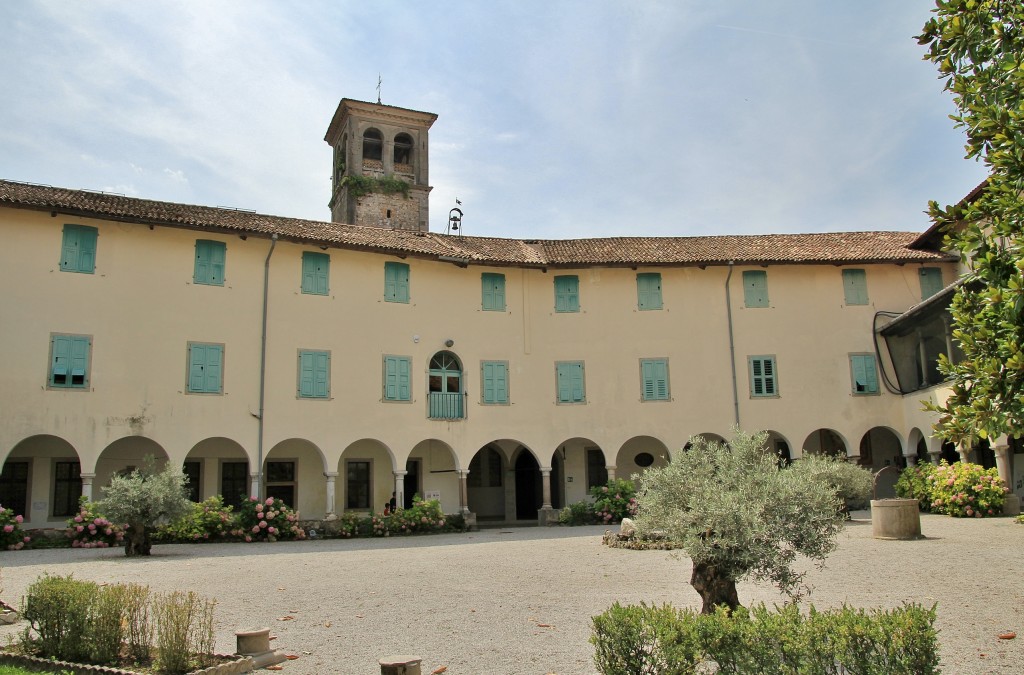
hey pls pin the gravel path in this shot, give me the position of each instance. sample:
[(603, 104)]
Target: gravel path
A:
[(519, 600)]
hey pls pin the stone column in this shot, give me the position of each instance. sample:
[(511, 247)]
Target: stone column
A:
[(948, 332), (965, 452), (87, 485), (911, 459), (463, 491), (611, 472), (331, 476), (936, 457), (1001, 446), (400, 488), (545, 481), (254, 485)]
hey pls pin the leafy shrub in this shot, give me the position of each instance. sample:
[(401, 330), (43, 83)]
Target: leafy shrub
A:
[(11, 536), (614, 501), (577, 513), (89, 529), (138, 629), (107, 624), (424, 516), (184, 631), (145, 498), (963, 489), (58, 611), (649, 639), (268, 520), (914, 484), (208, 520), (850, 482)]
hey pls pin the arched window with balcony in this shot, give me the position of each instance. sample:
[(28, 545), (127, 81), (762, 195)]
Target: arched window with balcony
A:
[(445, 387)]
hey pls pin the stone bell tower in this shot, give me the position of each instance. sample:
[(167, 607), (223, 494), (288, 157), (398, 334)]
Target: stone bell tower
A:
[(375, 147)]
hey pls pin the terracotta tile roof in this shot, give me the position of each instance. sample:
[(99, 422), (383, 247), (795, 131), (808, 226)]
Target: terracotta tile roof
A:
[(826, 248)]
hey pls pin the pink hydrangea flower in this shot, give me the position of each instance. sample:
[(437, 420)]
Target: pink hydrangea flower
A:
[(270, 501), (272, 530), (19, 519), (255, 528), (78, 518), (8, 528), (263, 523), (28, 539), (79, 528)]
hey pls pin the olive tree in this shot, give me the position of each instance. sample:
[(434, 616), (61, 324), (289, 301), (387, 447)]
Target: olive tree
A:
[(978, 46), (143, 499), (737, 514)]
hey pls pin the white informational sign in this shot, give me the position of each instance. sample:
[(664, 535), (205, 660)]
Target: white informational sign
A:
[(432, 494)]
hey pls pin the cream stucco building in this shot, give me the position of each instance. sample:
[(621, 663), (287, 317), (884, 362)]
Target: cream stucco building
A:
[(332, 364)]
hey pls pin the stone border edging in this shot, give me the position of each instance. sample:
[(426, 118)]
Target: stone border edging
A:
[(240, 664)]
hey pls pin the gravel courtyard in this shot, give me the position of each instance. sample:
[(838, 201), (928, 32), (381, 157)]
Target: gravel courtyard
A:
[(519, 600)]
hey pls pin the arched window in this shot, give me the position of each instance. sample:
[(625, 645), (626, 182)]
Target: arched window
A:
[(373, 145), (445, 384), (339, 160), (403, 150)]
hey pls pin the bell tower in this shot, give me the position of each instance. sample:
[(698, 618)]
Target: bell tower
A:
[(381, 165)]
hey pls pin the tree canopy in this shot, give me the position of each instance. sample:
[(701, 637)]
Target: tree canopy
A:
[(978, 46)]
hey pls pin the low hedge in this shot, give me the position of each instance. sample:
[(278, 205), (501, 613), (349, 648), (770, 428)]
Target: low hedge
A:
[(640, 639)]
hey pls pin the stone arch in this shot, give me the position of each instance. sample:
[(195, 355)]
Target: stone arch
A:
[(639, 454), (365, 476), (584, 465), (779, 444), (487, 482), (293, 471), (44, 480), (826, 441), (432, 471), (881, 447), (403, 152), (218, 466), (373, 146), (123, 456), (708, 436), (919, 443)]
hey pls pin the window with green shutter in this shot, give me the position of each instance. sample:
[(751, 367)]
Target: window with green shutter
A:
[(654, 377), (397, 378), (314, 374), (396, 282), (69, 361), (931, 281), (315, 273), (78, 249), (205, 368), (763, 376), (567, 293), (855, 287), (755, 288), (648, 290), (570, 382), (494, 387), (493, 293), (863, 374), (210, 257)]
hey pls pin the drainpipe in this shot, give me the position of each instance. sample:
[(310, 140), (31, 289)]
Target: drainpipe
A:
[(732, 347), (263, 369)]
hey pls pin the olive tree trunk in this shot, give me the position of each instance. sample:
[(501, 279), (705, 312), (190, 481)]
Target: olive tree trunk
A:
[(715, 588), (136, 540)]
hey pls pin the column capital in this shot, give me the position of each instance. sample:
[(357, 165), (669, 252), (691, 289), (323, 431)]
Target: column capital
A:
[(462, 473), (330, 474), (398, 474), (86, 476), (545, 470)]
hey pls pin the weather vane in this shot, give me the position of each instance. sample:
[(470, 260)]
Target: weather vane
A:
[(378, 88)]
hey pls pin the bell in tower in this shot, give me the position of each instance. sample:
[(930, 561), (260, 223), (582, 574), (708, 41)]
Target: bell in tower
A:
[(381, 165)]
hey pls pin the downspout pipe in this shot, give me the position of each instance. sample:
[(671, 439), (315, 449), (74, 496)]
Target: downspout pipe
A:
[(263, 368), (732, 347)]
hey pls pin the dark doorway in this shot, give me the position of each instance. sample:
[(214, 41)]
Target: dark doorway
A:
[(528, 487), (412, 481)]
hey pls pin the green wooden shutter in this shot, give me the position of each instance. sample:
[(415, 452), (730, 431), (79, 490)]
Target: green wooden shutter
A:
[(762, 376), (307, 375), (655, 379), (396, 282), (864, 374), (755, 288), (197, 368), (495, 377), (570, 382), (931, 281), (493, 292), (214, 368), (78, 249), (567, 293), (206, 366), (648, 288), (314, 374), (60, 368), (397, 378), (315, 273), (210, 261), (855, 287), (79, 361)]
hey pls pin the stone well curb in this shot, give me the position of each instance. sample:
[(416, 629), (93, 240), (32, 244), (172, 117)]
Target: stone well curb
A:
[(240, 664)]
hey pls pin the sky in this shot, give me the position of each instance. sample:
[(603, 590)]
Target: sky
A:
[(556, 119)]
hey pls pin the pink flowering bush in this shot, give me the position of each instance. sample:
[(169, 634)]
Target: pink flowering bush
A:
[(424, 516), (967, 490), (614, 501), (89, 529), (11, 536), (268, 520), (209, 520)]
